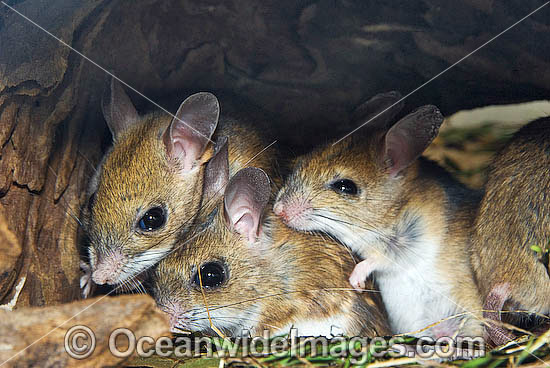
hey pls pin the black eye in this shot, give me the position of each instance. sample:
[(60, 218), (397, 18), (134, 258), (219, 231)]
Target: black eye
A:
[(152, 220), (91, 202), (212, 275), (344, 186)]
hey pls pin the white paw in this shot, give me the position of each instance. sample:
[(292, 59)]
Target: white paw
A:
[(357, 281), (361, 271), (86, 279)]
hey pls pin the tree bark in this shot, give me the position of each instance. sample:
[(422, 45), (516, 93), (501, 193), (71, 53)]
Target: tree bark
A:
[(307, 64)]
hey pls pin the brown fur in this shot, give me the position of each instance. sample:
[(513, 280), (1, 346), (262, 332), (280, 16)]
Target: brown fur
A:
[(283, 275), (513, 216)]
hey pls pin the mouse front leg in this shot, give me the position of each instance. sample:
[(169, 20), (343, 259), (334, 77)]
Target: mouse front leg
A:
[(360, 273)]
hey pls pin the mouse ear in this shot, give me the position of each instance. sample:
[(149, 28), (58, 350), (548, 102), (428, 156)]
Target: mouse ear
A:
[(410, 136), (380, 111), (245, 199), (216, 173), (118, 110), (191, 129)]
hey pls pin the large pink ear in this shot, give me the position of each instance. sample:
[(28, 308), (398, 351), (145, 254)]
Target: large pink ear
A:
[(245, 199), (118, 110), (379, 111), (410, 136), (191, 129), (216, 173)]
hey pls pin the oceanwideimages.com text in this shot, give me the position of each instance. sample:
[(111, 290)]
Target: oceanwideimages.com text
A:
[(80, 342)]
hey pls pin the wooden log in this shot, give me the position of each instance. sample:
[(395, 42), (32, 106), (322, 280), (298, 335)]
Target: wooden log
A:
[(36, 336)]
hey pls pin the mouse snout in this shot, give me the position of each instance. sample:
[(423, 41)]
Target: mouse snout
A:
[(177, 323), (291, 211), (176, 317), (102, 276), (109, 268)]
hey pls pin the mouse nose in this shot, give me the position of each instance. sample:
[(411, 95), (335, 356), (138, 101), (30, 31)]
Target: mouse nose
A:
[(99, 277), (290, 212), (286, 211), (103, 276), (176, 317), (109, 267), (282, 211)]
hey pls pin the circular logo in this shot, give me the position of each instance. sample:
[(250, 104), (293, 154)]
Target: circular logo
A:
[(80, 342)]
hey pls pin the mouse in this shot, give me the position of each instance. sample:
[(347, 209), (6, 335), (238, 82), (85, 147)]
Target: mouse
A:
[(512, 222), (406, 217), (148, 186), (245, 271)]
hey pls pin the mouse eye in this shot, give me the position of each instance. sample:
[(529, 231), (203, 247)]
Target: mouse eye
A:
[(212, 274), (91, 202), (344, 186), (152, 220)]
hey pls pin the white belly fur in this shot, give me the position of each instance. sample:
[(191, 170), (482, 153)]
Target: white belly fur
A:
[(414, 291)]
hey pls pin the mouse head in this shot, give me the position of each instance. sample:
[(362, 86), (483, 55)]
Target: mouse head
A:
[(357, 182), (148, 186), (227, 256)]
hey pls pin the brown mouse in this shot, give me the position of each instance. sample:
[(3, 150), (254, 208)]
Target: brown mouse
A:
[(404, 215), (148, 186), (514, 215), (257, 274)]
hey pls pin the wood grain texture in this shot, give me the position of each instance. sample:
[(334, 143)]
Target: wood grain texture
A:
[(45, 328)]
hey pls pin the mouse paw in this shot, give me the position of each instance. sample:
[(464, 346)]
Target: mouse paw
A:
[(356, 282), (360, 273), (86, 280)]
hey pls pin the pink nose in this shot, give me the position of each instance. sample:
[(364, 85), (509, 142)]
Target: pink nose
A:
[(290, 212), (101, 276), (109, 267), (176, 318), (283, 212), (106, 272)]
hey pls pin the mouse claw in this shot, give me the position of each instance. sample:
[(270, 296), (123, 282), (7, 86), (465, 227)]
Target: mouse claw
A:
[(85, 280)]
